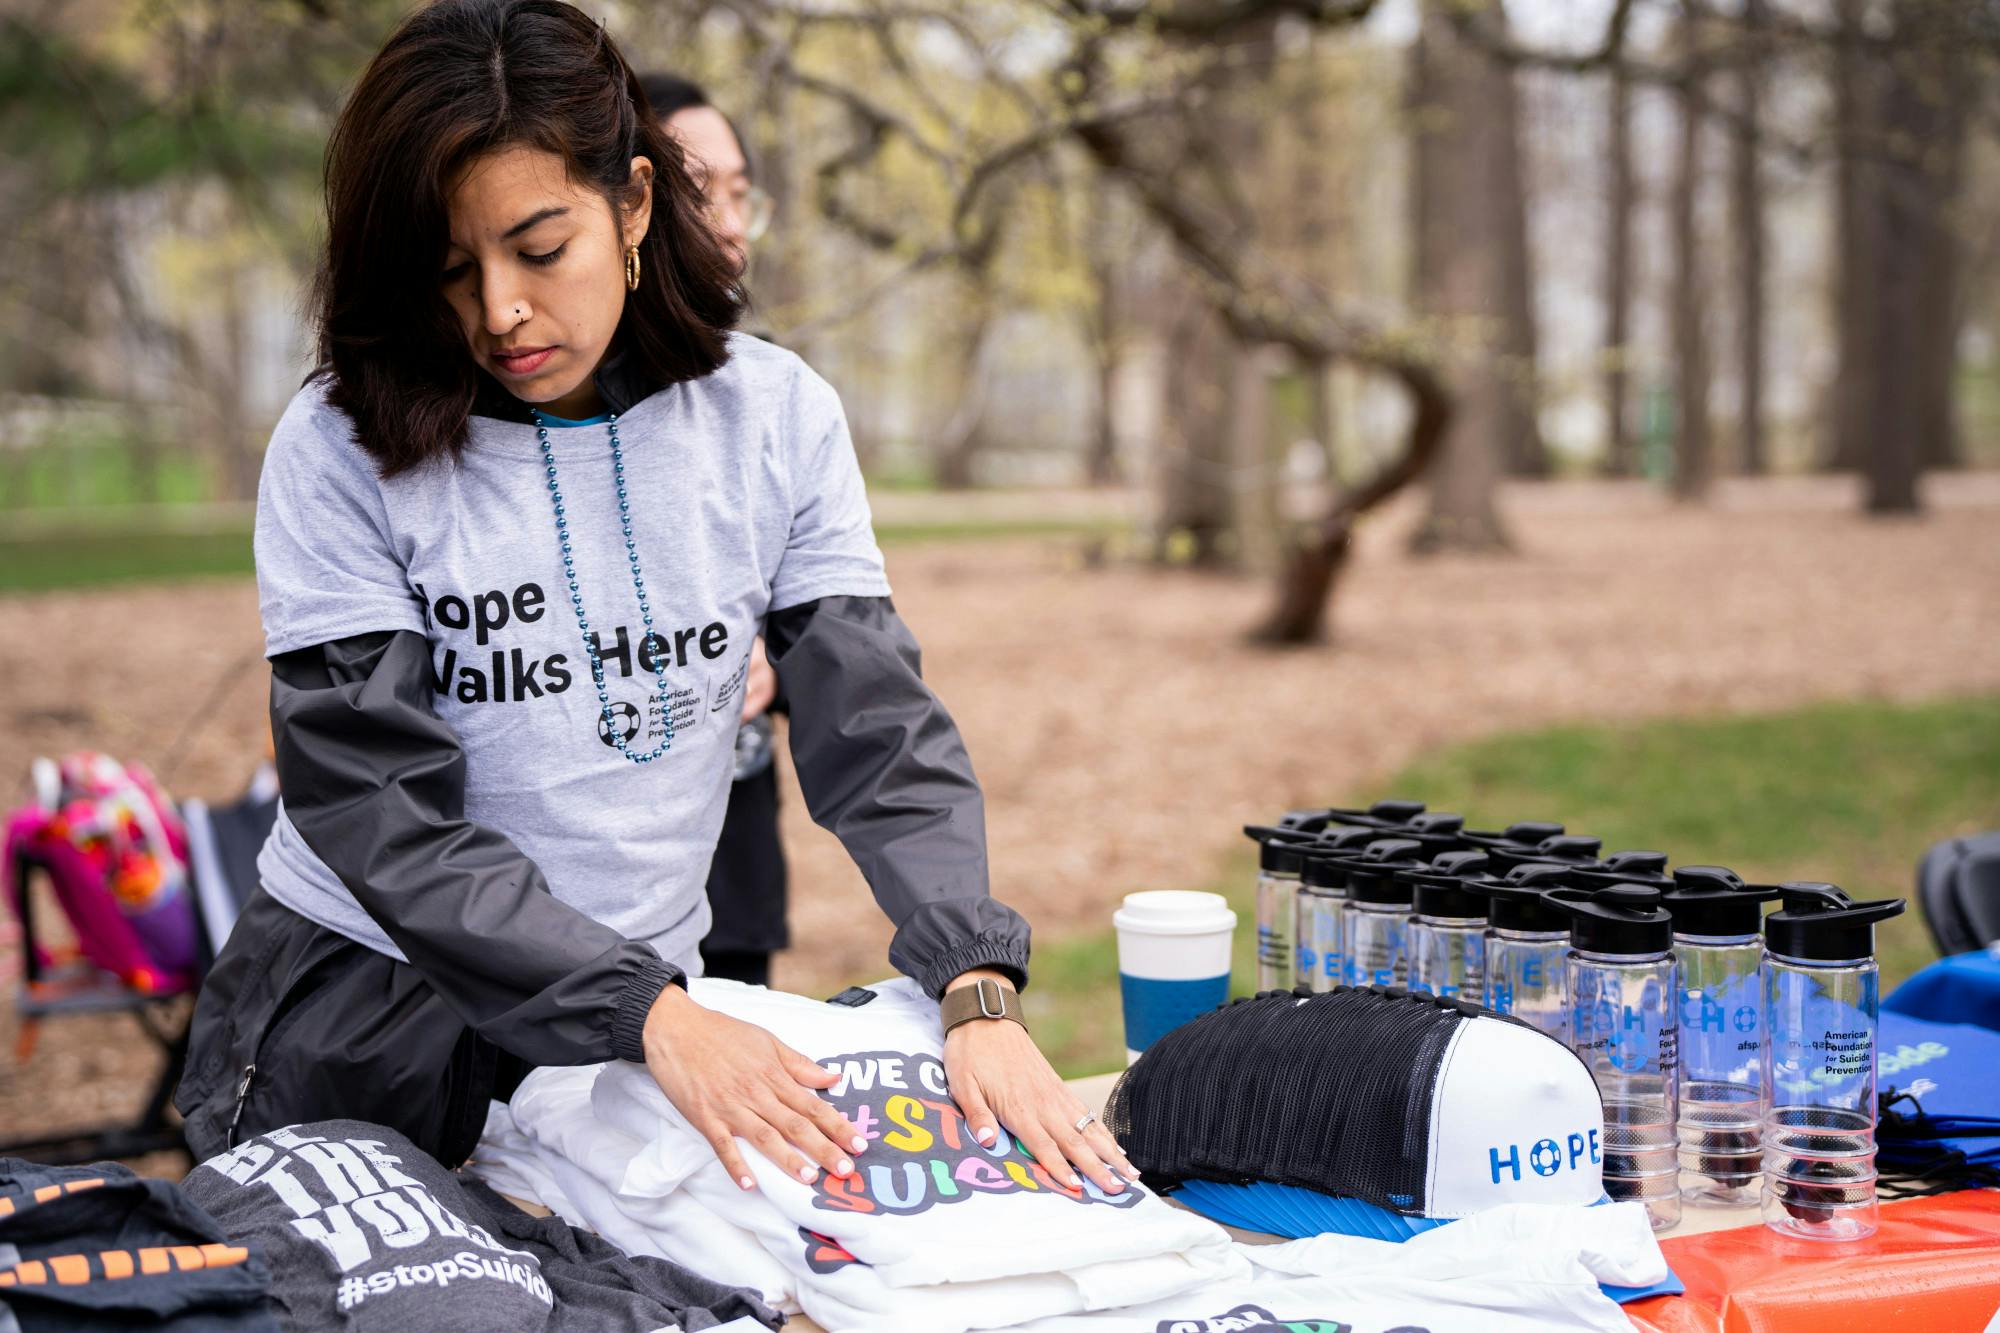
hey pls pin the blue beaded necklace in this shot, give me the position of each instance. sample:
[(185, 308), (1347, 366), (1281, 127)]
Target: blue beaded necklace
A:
[(612, 730)]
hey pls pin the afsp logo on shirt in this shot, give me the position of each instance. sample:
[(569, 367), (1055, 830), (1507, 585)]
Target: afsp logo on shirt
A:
[(899, 1102)]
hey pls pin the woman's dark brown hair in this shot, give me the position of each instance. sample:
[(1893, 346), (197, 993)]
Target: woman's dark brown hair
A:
[(459, 79)]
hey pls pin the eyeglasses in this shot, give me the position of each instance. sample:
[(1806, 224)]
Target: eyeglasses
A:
[(751, 211)]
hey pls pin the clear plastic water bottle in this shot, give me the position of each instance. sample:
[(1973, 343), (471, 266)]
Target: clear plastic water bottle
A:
[(1322, 903), (1278, 862), (1374, 923), (1719, 942), (1527, 948), (1821, 1005), (1447, 934), (1624, 998)]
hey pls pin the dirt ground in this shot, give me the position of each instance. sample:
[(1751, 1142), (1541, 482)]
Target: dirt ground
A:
[(1121, 726)]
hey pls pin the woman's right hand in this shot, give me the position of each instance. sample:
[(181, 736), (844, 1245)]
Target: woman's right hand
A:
[(734, 1080)]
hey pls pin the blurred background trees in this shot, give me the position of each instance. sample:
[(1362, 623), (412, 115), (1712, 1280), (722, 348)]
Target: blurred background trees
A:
[(1259, 262)]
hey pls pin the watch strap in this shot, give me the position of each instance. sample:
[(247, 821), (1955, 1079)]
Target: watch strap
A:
[(983, 999)]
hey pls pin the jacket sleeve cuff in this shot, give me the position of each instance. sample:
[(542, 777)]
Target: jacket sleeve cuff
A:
[(628, 1019), (995, 951)]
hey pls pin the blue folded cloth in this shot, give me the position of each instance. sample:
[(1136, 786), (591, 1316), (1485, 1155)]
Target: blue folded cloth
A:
[(1940, 1085), (1964, 988)]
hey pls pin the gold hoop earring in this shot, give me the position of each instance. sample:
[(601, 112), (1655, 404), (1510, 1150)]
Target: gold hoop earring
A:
[(632, 269)]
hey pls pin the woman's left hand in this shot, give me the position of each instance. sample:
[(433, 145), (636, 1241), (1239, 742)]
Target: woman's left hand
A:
[(999, 1078)]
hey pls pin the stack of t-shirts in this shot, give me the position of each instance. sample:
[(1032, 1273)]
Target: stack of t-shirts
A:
[(1518, 1268), (934, 1232)]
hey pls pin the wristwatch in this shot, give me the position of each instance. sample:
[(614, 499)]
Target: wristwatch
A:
[(984, 998)]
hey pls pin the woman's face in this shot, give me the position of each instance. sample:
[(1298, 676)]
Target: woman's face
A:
[(536, 273)]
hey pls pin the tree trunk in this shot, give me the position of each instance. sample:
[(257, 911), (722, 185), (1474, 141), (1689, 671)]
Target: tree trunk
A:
[(1459, 110), (1619, 454), (959, 441), (1747, 207), (1694, 461), (1924, 103), (1526, 454), (1194, 509), (1857, 189), (1252, 493), (240, 461)]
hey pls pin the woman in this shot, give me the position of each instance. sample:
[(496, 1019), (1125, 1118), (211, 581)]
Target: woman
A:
[(514, 540)]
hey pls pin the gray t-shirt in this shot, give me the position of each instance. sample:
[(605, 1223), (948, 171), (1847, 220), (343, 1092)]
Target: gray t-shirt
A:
[(745, 499)]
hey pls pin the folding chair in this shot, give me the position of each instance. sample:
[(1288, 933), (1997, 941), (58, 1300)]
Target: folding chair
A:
[(223, 842), (1958, 892)]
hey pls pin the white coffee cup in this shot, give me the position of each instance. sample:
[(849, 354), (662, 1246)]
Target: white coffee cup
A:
[(1173, 960)]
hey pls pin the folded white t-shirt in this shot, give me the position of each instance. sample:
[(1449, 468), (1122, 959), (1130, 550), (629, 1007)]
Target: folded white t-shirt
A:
[(1519, 1268), (934, 1233)]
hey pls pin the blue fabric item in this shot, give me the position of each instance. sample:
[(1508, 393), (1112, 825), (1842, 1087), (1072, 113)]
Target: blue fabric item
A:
[(1964, 988), (1288, 1210), (1154, 1007), (1953, 1072), (555, 420)]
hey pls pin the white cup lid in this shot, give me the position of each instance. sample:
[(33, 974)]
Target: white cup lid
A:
[(1175, 912)]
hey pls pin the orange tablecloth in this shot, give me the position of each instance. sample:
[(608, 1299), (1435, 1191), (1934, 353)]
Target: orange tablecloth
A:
[(1933, 1267)]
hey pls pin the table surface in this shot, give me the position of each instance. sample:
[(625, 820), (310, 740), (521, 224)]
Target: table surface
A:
[(1096, 1090)]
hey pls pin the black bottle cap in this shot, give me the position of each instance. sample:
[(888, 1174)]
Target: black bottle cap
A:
[(1713, 900), (1820, 924), (1523, 834), (1382, 814), (1617, 919), (1278, 848), (1373, 876), (1624, 868), (1443, 888), (1519, 901), (1325, 859), (1562, 847)]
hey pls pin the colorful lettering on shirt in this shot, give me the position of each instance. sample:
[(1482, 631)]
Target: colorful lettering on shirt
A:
[(1256, 1319), (924, 1153)]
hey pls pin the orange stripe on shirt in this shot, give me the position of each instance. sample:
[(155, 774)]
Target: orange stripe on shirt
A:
[(223, 1256), (71, 1270), (117, 1263)]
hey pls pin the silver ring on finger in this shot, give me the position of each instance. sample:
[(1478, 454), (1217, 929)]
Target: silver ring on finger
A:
[(1083, 1122)]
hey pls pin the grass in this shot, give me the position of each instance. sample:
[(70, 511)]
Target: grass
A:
[(81, 559), (47, 562), (1851, 793)]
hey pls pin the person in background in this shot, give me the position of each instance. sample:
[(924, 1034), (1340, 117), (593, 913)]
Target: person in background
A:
[(746, 881)]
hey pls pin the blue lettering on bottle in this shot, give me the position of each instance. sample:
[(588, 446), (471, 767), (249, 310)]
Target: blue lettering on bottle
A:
[(1501, 997), (1745, 1018), (1531, 972)]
